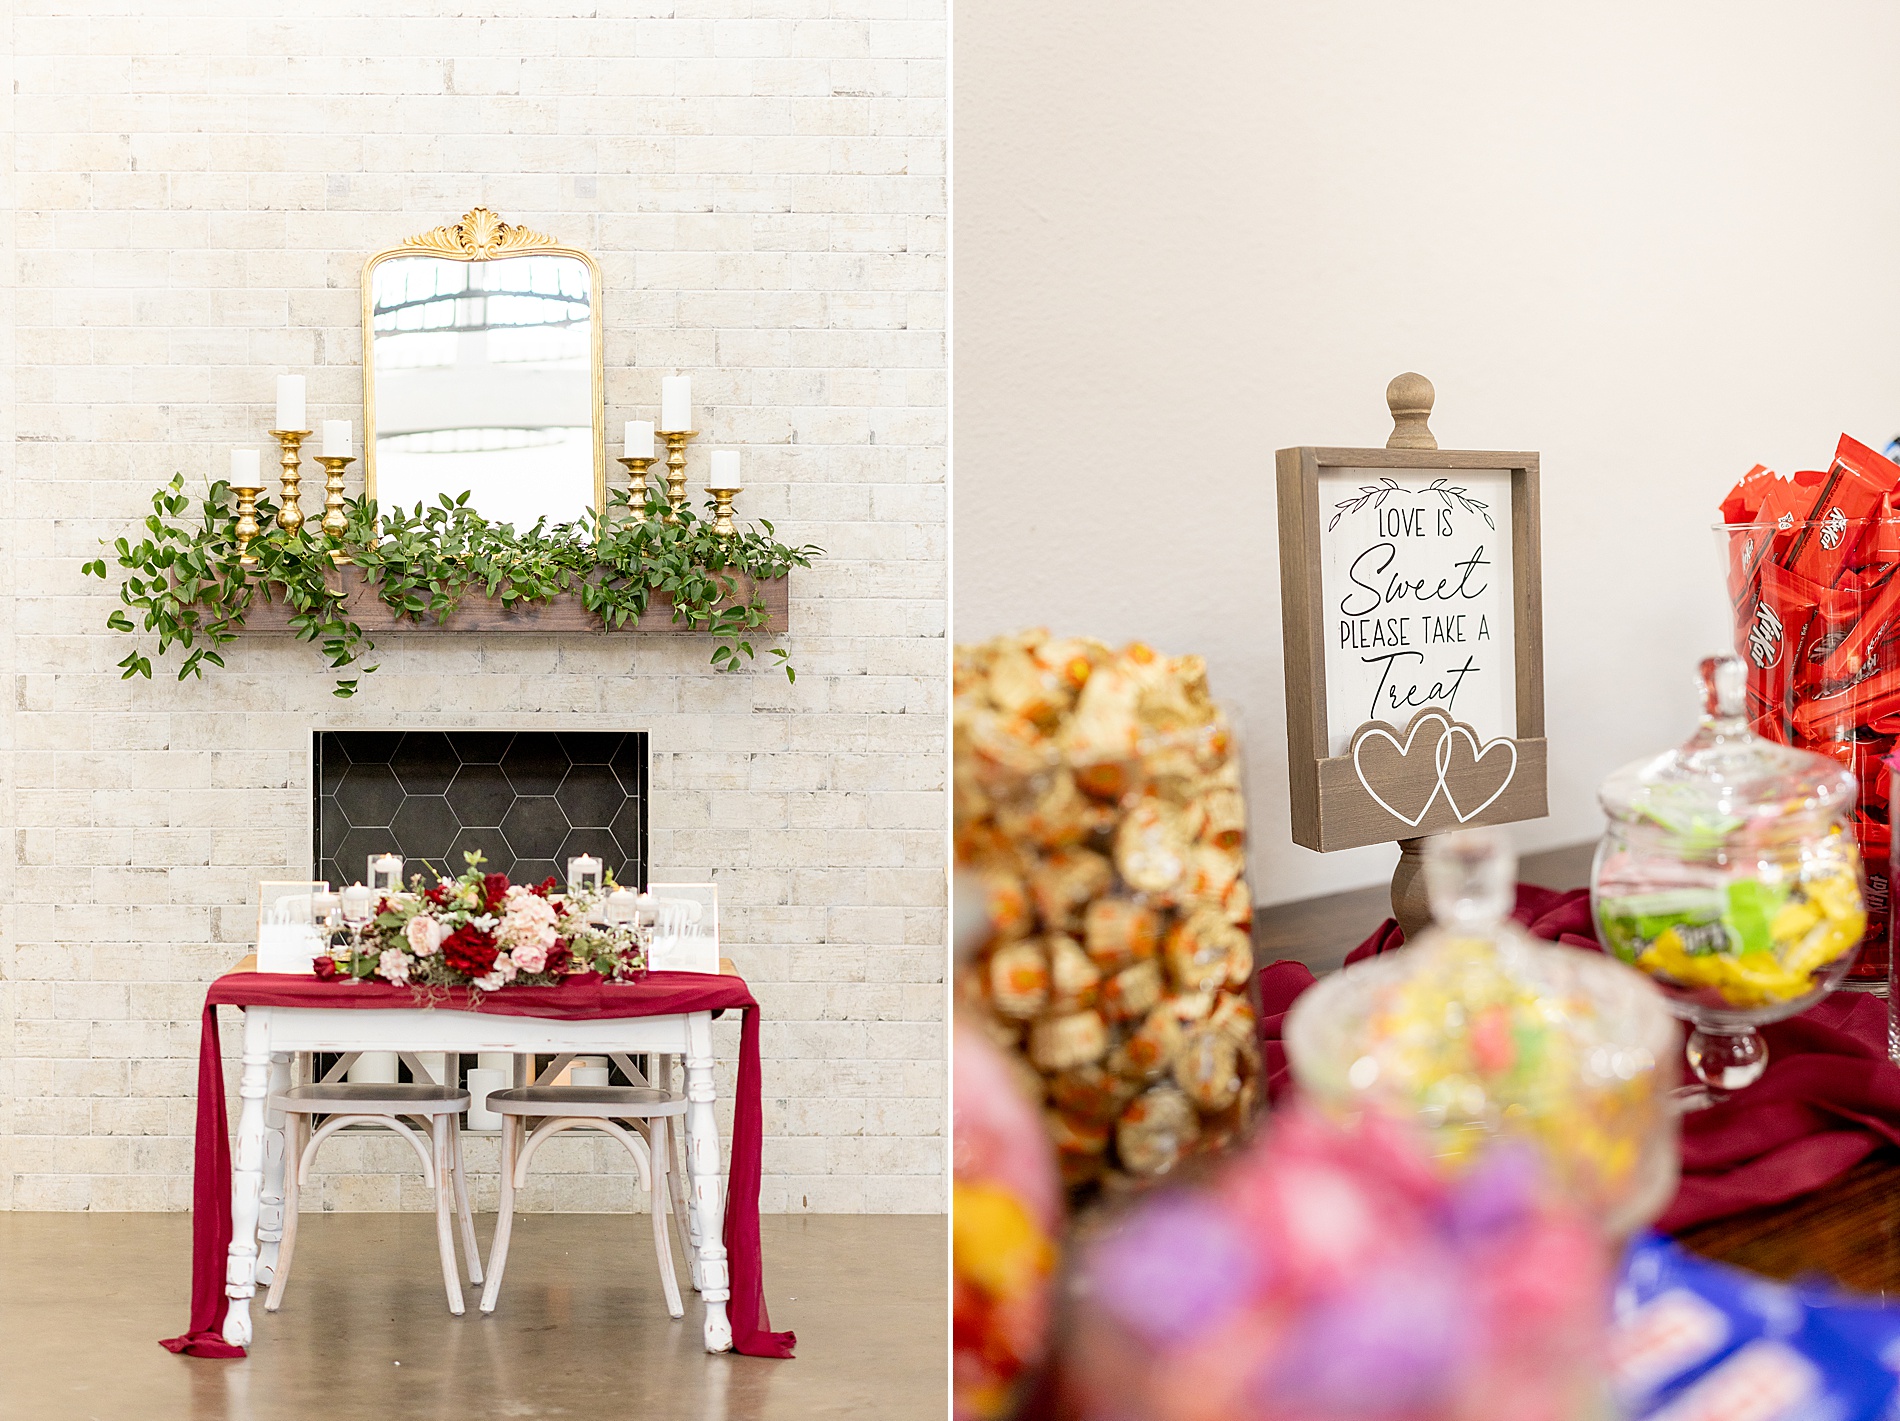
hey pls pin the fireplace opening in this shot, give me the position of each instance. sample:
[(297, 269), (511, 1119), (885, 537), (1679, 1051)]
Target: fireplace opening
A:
[(527, 800)]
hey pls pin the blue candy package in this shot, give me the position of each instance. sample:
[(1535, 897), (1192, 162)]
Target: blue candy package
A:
[(1694, 1340)]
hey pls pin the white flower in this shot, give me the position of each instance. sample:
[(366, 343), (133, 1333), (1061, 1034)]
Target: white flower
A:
[(492, 982), (393, 965), (425, 935)]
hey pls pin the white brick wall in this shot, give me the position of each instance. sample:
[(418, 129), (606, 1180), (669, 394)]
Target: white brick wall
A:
[(192, 192)]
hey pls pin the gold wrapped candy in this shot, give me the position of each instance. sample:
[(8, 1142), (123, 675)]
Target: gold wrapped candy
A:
[(1098, 799)]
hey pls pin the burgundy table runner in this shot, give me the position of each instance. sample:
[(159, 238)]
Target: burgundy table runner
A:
[(1829, 1098), (657, 994)]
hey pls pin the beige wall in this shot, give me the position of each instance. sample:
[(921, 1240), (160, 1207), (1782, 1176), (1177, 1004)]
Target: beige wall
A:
[(1654, 243), (198, 185)]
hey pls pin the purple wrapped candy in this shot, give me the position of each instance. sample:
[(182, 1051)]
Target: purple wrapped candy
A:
[(1175, 1269)]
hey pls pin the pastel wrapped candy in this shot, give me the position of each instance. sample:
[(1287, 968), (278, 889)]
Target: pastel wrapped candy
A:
[(1152, 848), (1060, 1043), (1148, 1053), (1132, 992), (1006, 1211), (1073, 979)]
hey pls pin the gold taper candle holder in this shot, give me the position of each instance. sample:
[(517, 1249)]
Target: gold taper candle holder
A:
[(722, 509), (289, 515), (334, 523), (675, 471), (637, 495), (247, 528)]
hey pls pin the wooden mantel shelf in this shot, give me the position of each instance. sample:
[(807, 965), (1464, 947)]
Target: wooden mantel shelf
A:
[(481, 613)]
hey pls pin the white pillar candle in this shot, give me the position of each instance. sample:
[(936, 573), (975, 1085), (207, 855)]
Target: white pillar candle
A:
[(482, 1080), (676, 403), (584, 873), (374, 1068), (336, 439), (289, 402), (385, 872), (324, 906), (621, 907), (244, 469), (725, 469), (639, 439)]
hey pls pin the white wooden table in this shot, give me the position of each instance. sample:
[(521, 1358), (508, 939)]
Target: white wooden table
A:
[(273, 1034)]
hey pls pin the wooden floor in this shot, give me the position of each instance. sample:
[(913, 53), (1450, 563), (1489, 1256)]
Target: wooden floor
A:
[(1848, 1231), (581, 1331)]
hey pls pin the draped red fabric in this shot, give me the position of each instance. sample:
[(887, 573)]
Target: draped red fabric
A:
[(1829, 1098), (657, 994)]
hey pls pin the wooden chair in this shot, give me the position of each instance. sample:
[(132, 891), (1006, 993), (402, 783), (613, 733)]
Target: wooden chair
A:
[(436, 1109), (610, 1109)]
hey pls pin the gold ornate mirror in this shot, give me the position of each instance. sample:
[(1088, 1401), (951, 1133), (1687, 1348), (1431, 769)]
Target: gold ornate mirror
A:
[(482, 373)]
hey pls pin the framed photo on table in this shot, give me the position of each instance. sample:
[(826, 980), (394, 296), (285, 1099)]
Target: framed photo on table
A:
[(1412, 607)]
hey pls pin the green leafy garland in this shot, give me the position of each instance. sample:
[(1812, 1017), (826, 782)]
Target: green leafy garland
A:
[(183, 580)]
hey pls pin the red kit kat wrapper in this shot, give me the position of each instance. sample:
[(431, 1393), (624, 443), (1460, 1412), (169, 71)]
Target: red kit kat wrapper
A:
[(1815, 585)]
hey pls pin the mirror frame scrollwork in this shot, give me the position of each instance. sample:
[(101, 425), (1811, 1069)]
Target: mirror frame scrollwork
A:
[(482, 236)]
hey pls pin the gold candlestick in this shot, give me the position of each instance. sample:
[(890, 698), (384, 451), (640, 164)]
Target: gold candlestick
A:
[(247, 528), (290, 516), (675, 471), (334, 523), (722, 509), (637, 498)]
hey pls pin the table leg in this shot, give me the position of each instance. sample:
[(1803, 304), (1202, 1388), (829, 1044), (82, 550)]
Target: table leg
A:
[(247, 1177), (707, 1205), (270, 1212)]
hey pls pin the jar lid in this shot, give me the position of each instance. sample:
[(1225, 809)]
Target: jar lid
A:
[(1726, 779)]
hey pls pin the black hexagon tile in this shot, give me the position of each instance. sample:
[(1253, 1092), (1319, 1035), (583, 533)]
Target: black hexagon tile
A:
[(528, 800)]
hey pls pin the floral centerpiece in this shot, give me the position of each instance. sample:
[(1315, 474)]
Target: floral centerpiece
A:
[(482, 931)]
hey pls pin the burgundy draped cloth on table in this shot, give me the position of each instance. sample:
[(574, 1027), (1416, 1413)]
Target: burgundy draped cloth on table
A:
[(1829, 1097), (657, 994)]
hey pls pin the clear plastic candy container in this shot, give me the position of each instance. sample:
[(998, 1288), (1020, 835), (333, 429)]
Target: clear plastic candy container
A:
[(1728, 873), (1482, 1033)]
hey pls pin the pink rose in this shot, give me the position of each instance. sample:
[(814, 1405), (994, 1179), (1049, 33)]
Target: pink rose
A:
[(529, 922), (530, 957), (425, 935)]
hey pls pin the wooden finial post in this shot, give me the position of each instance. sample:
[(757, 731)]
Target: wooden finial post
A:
[(1409, 397)]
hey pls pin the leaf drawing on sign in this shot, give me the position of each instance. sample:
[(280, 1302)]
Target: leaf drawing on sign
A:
[(1374, 494), (1460, 498)]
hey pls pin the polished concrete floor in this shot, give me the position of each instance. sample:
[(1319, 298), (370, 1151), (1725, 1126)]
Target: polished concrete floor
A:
[(581, 1331)]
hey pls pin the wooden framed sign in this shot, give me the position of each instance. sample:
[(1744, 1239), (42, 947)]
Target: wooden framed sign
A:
[(1411, 599)]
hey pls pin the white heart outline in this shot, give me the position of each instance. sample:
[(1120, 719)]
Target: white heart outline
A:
[(1405, 751), (1441, 757), (1441, 763)]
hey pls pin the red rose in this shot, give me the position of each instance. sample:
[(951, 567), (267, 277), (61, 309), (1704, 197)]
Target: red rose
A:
[(438, 894), (468, 949), (495, 890), (324, 967), (545, 887), (559, 956)]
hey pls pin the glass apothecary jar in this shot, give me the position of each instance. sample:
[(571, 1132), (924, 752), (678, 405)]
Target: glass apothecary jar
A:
[(1729, 873), (1485, 1035)]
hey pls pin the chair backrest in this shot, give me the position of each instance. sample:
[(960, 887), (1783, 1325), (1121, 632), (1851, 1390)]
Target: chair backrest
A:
[(686, 933)]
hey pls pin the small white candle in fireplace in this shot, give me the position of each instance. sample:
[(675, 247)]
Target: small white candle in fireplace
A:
[(725, 469), (385, 872), (289, 402), (356, 903), (244, 467), (584, 873), (336, 439), (676, 403), (323, 906), (621, 907), (639, 439)]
